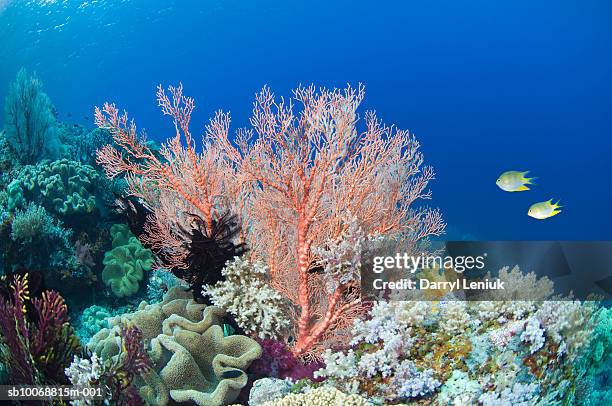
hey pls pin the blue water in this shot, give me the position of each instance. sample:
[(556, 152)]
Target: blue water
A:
[(487, 86)]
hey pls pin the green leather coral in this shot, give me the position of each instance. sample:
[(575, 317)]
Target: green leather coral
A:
[(65, 187), (126, 262), (193, 362), (15, 199)]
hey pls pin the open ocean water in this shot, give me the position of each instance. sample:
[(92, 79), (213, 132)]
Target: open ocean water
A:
[(485, 86)]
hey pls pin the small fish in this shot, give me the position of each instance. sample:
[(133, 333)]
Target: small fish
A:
[(514, 181), (544, 210), (69, 114), (232, 373), (86, 118)]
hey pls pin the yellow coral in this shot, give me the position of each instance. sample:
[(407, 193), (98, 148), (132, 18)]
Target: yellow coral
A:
[(324, 396), (192, 360)]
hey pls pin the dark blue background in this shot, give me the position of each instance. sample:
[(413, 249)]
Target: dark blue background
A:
[(487, 86)]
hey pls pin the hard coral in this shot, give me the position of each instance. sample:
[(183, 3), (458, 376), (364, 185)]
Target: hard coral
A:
[(324, 396)]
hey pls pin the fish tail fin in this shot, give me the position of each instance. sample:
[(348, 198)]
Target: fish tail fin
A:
[(530, 181), (557, 205), (525, 179)]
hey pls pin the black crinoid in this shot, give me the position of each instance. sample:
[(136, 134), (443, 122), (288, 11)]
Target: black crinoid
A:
[(131, 210), (208, 251)]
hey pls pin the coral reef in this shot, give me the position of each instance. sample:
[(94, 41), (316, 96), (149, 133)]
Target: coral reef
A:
[(268, 389), (66, 188), (323, 396), (257, 308), (36, 347), (191, 358), (159, 283), (293, 196), (126, 263), (92, 319), (29, 121), (80, 143), (503, 352), (279, 362), (117, 375), (189, 225), (40, 241)]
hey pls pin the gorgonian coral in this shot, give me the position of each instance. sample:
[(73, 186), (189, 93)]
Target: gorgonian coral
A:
[(36, 352), (29, 120), (294, 179)]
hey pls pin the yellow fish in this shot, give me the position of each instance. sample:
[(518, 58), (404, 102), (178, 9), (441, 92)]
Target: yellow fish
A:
[(514, 181), (544, 210)]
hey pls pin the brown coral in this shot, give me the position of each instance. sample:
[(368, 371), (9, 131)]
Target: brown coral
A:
[(192, 360)]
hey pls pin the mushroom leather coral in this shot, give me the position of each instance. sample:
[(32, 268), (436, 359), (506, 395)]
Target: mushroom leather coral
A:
[(125, 263), (192, 360)]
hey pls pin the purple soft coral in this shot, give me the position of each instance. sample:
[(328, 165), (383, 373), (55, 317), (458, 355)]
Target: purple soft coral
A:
[(278, 361)]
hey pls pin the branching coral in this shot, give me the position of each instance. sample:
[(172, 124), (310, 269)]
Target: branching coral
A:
[(29, 120), (36, 352), (449, 352), (257, 308), (295, 185)]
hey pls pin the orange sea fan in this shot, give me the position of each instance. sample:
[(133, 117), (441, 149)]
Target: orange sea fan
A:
[(294, 178)]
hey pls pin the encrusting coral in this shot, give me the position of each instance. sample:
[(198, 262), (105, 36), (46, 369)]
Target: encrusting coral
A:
[(126, 263), (323, 396), (192, 360)]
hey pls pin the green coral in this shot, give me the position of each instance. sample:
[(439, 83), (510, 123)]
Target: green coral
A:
[(64, 187), (93, 319), (126, 262), (15, 198), (193, 363)]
